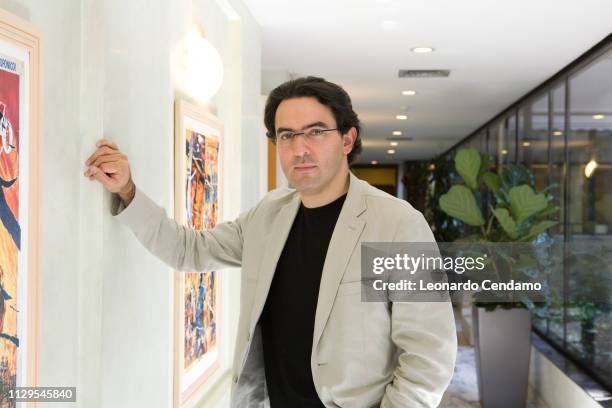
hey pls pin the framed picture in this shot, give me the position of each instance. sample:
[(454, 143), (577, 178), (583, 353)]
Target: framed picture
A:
[(20, 84), (198, 187)]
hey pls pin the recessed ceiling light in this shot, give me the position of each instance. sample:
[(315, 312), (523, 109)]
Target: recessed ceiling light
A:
[(504, 151), (401, 117), (391, 151), (409, 93), (557, 133), (397, 133), (393, 144), (598, 116), (422, 50), (526, 144), (374, 162)]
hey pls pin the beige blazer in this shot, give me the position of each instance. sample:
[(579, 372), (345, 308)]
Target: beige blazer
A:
[(363, 354)]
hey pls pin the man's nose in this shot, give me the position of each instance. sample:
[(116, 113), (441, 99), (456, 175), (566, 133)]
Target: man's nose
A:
[(300, 146)]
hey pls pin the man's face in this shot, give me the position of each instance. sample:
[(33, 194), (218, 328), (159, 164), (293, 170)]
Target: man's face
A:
[(310, 166)]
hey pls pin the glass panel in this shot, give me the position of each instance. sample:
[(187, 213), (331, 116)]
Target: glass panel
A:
[(474, 142), (557, 169), (533, 139), (589, 332), (506, 141), (533, 151), (502, 136), (492, 144), (480, 142), (510, 137)]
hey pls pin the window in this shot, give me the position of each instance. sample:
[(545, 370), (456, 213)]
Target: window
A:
[(505, 134), (533, 133), (554, 325), (589, 210)]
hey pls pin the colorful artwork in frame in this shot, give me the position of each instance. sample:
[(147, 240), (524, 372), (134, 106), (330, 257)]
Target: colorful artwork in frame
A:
[(19, 185), (198, 183)]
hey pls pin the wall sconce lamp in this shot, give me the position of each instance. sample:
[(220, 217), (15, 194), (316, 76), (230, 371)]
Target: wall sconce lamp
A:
[(198, 67)]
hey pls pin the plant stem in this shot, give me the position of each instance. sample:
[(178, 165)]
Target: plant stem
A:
[(489, 225)]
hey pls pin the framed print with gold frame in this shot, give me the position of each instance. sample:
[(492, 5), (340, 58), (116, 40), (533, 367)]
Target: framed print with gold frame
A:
[(20, 85), (197, 204)]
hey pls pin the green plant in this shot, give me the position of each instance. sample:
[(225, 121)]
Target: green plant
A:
[(516, 212)]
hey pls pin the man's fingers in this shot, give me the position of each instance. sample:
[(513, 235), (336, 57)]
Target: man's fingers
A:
[(106, 142), (109, 168), (101, 151), (94, 155), (107, 158), (99, 175)]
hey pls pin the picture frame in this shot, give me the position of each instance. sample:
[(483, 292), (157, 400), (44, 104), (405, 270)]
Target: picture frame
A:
[(20, 133), (198, 188)]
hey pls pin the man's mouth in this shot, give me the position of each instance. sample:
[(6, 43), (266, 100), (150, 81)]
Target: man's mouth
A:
[(304, 167)]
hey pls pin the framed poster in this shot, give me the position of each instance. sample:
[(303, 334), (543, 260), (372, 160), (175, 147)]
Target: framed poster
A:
[(197, 204), (20, 74)]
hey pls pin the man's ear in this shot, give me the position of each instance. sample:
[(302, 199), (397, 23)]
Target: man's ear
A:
[(348, 140)]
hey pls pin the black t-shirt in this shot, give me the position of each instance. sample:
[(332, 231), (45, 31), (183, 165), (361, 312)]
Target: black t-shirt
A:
[(287, 320)]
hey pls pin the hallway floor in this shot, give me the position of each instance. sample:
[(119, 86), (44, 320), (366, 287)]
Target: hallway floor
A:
[(463, 390)]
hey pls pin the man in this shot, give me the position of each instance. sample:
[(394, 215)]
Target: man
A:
[(305, 339)]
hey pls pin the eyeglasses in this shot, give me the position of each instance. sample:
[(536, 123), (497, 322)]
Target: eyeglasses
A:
[(314, 134)]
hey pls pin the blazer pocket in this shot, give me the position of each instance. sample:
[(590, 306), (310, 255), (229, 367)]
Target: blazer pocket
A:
[(348, 288)]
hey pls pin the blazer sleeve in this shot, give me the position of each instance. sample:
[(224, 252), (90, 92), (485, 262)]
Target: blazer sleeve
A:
[(178, 246), (425, 335)]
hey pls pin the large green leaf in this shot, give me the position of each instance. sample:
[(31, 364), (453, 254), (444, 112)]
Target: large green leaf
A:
[(551, 209), (539, 228), (506, 221), (492, 181), (467, 164), (524, 202), (460, 203)]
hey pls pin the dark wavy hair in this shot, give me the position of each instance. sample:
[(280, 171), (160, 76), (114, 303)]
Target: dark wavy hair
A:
[(327, 93)]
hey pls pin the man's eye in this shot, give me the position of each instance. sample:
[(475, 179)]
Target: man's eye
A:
[(284, 136), (316, 132)]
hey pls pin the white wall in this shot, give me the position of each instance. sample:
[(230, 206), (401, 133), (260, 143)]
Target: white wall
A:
[(106, 308)]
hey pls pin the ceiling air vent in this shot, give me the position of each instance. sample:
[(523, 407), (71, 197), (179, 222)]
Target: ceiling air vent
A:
[(423, 73), (399, 138)]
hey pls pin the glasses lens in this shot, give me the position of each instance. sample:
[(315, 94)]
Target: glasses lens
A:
[(285, 136)]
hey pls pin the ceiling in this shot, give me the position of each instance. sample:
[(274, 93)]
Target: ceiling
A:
[(497, 51)]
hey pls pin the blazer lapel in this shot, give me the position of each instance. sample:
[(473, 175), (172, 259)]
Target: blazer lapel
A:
[(344, 238), (276, 238)]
